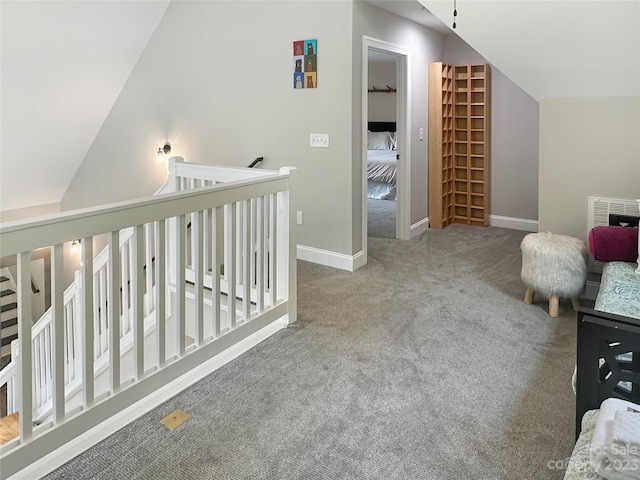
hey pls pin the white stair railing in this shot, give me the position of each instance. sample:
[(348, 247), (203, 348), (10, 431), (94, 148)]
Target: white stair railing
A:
[(219, 257)]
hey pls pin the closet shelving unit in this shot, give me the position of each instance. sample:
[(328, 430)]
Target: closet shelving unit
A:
[(459, 147)]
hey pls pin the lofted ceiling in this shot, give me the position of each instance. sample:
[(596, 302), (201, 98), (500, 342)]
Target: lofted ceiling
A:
[(554, 49), (550, 49), (414, 11), (63, 65)]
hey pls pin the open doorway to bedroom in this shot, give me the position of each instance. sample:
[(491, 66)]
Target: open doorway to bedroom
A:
[(398, 56), (382, 145)]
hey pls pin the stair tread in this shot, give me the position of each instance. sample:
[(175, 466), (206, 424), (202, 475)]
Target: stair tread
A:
[(8, 306), (7, 292), (9, 427), (9, 339), (9, 322), (4, 279)]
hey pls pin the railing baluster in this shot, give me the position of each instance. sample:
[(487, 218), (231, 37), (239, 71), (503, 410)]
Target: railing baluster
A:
[(137, 293), (273, 243), (24, 341), (253, 224), (114, 310), (230, 261), (148, 251), (217, 249), (206, 234), (260, 254), (246, 261), (180, 285), (37, 379), (128, 288), (103, 316), (87, 330), (77, 329), (68, 372), (47, 363), (58, 312), (239, 251), (197, 258), (124, 282), (160, 294)]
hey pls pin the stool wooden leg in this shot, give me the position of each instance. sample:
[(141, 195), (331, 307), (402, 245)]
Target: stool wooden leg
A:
[(575, 301), (528, 296), (553, 306)]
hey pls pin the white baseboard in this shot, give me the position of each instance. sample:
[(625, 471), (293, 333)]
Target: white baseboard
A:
[(330, 259), (347, 262), (90, 438), (419, 227), (513, 223)]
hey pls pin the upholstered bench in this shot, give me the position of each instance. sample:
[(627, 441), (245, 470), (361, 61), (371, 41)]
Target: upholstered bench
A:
[(554, 266), (619, 290)]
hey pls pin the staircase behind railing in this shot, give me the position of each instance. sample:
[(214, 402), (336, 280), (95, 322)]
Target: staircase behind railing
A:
[(202, 265)]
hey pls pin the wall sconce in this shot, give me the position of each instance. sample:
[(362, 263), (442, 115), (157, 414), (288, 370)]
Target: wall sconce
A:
[(162, 151), (75, 247)]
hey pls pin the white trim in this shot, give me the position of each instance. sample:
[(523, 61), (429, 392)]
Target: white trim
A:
[(60, 456), (420, 227), (513, 223), (403, 121), (331, 259)]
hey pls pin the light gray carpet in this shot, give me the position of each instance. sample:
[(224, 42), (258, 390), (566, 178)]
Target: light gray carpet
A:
[(424, 364), (381, 218)]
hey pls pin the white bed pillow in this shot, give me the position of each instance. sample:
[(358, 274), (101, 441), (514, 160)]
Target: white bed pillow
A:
[(379, 141)]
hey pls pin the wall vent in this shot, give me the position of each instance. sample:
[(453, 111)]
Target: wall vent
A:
[(599, 210)]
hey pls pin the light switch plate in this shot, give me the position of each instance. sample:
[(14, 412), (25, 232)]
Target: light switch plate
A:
[(319, 140)]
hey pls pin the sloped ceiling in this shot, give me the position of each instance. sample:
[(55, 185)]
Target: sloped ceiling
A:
[(554, 49), (63, 64)]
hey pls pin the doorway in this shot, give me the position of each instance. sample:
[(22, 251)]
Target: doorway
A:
[(382, 145), (396, 57)]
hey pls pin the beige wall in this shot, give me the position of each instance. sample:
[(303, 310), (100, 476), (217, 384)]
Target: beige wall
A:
[(588, 147), (382, 106), (217, 80), (514, 138)]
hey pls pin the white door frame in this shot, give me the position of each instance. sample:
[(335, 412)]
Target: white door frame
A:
[(403, 126)]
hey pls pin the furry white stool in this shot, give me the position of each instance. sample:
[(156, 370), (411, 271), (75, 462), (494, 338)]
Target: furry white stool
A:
[(554, 266)]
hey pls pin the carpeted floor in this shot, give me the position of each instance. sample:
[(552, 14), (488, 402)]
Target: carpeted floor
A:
[(381, 218), (423, 364)]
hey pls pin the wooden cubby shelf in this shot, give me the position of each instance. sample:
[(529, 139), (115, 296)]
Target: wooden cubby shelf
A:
[(459, 146)]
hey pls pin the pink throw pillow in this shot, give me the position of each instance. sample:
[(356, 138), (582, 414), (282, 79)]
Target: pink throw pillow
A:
[(614, 243)]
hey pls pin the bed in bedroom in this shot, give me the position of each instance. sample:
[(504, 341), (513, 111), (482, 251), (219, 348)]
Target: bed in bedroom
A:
[(381, 160)]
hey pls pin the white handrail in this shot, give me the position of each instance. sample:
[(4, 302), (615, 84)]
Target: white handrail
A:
[(239, 225)]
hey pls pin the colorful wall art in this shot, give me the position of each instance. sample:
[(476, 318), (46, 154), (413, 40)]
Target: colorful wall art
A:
[(305, 64)]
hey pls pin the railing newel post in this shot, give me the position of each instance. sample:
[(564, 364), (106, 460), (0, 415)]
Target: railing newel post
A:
[(287, 258)]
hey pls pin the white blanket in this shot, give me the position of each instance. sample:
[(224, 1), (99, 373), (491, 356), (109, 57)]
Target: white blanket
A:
[(382, 166), (615, 448)]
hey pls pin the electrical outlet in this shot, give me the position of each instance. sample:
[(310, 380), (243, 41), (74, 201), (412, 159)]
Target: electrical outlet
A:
[(299, 217), (320, 140)]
